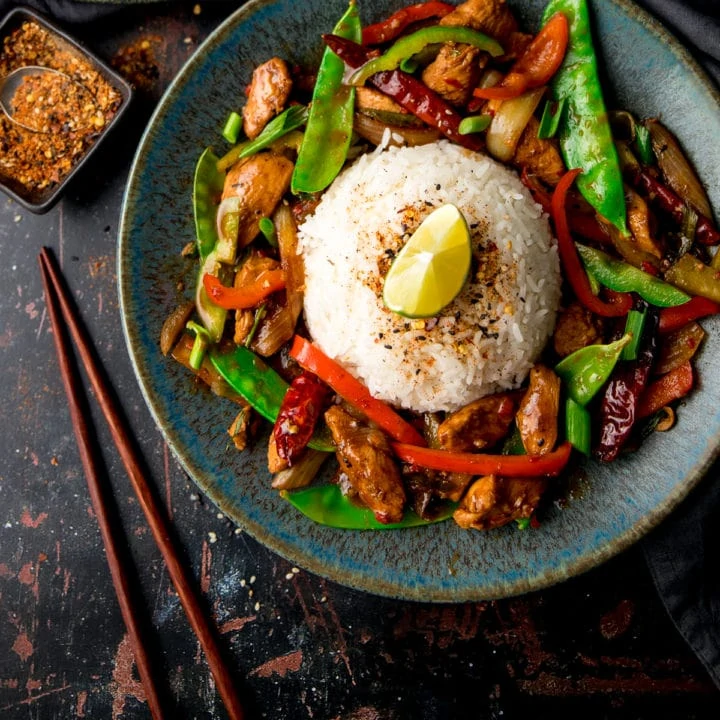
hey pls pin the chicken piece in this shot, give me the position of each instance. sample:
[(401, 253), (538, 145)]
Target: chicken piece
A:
[(268, 92), (576, 328), (537, 416), (454, 72), (479, 425), (365, 456), (248, 273), (240, 430), (378, 105), (492, 17), (539, 156), (260, 182), (638, 217), (275, 463), (493, 501)]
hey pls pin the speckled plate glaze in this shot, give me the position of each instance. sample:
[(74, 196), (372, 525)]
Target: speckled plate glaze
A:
[(611, 507)]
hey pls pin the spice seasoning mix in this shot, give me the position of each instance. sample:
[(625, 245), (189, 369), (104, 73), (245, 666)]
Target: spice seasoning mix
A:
[(75, 112)]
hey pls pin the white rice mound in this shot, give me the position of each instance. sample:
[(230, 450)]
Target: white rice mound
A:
[(484, 341)]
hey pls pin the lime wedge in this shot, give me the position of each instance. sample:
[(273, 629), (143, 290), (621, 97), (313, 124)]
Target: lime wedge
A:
[(431, 269)]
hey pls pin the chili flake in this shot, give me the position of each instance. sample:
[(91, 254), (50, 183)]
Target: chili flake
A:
[(75, 112)]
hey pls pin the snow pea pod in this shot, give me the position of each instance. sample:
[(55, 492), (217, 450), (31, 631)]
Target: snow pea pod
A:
[(207, 188), (261, 386), (326, 505), (585, 135), (586, 370), (330, 122), (620, 276)]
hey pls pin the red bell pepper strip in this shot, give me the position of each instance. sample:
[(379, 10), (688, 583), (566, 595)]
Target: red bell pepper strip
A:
[(581, 223), (249, 296), (537, 64), (673, 318), (299, 412), (407, 91), (572, 265), (481, 464), (671, 386), (311, 358), (390, 28), (667, 200)]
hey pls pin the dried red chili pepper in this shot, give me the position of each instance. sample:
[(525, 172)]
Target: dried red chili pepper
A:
[(620, 404), (409, 92), (390, 28), (667, 200), (298, 415)]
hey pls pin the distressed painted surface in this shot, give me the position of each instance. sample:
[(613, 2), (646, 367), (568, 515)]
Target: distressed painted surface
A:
[(301, 647)]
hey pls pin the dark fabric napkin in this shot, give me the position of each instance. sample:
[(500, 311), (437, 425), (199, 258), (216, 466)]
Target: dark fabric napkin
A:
[(683, 554)]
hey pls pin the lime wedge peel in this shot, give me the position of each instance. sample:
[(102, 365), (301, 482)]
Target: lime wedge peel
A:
[(432, 267)]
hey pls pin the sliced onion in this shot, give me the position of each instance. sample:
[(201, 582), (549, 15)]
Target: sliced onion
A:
[(372, 130), (302, 473), (679, 347), (227, 223), (174, 325), (509, 122), (677, 171)]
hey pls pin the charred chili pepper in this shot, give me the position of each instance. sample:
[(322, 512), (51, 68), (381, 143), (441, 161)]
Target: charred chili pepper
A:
[(672, 319), (622, 277), (260, 385), (668, 201), (536, 65), (574, 271), (407, 91), (391, 27), (620, 403), (585, 371), (326, 504), (585, 136), (299, 412), (330, 122), (207, 189), (416, 42)]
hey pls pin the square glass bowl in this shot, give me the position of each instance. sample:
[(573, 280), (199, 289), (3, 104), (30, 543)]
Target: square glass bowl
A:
[(41, 155)]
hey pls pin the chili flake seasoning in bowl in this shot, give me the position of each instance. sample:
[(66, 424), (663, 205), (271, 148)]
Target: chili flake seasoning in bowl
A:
[(70, 110)]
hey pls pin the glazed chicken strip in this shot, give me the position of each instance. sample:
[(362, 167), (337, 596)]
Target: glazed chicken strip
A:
[(268, 92), (576, 328), (479, 425), (457, 68), (260, 182), (537, 416), (539, 156), (494, 501), (365, 456)]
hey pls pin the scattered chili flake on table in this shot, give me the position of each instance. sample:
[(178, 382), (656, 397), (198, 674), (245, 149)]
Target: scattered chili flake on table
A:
[(80, 109)]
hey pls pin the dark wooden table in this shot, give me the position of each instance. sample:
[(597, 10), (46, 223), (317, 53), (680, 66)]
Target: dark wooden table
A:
[(598, 646)]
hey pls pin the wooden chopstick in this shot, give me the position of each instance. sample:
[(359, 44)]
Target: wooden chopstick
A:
[(91, 466), (154, 515)]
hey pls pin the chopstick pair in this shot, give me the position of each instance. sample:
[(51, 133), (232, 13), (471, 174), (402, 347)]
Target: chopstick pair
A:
[(64, 317)]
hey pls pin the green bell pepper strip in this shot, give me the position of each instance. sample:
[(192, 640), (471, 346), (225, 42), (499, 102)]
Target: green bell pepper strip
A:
[(622, 277), (550, 121), (284, 123), (585, 371), (577, 426), (585, 137), (261, 386), (330, 122), (207, 188), (410, 45), (326, 505)]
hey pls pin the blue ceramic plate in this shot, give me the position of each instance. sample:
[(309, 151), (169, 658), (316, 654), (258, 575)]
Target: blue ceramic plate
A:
[(609, 507)]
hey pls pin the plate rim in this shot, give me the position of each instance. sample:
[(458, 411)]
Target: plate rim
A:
[(542, 579)]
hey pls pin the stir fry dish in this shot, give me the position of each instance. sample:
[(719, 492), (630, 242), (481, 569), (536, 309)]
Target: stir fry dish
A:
[(437, 271)]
